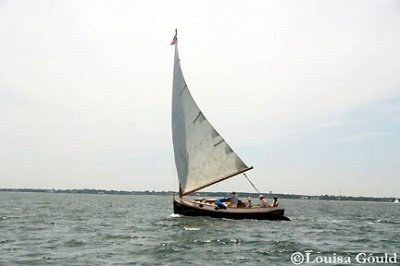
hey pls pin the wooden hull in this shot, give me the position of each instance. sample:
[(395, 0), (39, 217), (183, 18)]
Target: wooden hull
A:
[(197, 208)]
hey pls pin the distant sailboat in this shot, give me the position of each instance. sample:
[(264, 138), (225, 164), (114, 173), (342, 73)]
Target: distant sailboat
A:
[(396, 200), (203, 157)]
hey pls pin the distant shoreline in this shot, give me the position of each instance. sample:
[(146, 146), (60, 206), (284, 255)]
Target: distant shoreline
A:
[(198, 194)]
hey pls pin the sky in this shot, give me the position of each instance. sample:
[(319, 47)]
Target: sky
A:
[(307, 92)]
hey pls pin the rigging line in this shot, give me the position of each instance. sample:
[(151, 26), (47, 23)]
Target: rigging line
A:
[(248, 179)]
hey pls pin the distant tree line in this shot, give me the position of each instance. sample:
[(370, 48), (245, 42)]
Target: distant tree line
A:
[(197, 194)]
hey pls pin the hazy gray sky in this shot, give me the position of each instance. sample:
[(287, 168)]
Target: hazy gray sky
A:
[(308, 92)]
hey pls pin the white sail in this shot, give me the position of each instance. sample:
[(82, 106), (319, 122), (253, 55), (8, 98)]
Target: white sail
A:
[(202, 156)]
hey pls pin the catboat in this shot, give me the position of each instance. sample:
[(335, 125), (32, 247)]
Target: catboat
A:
[(203, 158)]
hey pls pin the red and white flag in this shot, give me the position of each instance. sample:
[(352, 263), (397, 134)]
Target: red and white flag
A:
[(175, 39)]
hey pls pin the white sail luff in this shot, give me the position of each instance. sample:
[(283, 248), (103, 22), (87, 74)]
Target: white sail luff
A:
[(202, 156)]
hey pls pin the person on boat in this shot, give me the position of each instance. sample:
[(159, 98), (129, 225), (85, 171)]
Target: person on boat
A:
[(233, 198), (264, 202), (249, 202), (219, 203), (275, 202)]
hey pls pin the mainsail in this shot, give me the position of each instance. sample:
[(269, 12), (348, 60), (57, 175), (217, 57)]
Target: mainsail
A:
[(202, 156)]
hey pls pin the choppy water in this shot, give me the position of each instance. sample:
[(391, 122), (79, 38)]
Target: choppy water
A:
[(74, 229)]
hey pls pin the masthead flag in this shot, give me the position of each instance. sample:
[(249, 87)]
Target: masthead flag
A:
[(175, 39)]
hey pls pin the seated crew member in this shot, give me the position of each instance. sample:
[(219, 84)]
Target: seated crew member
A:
[(233, 199), (249, 202), (275, 202), (264, 202)]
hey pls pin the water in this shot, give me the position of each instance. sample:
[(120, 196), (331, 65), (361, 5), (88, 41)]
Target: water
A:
[(74, 229)]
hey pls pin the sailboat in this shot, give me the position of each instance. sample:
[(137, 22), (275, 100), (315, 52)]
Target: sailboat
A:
[(396, 200), (203, 158)]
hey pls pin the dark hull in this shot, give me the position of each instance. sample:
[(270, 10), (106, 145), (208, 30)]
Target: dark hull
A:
[(188, 209)]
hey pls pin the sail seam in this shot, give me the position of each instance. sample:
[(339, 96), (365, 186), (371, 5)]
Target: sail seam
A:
[(219, 142), (197, 117), (184, 88)]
